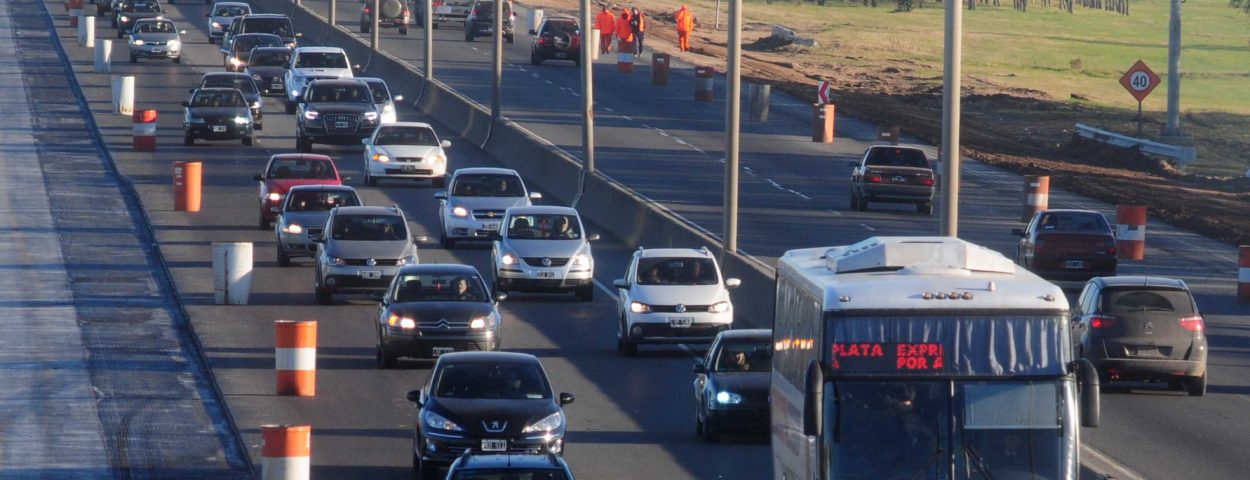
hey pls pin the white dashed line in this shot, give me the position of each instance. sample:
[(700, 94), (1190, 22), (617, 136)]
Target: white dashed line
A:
[(774, 184), (865, 225), (548, 81), (522, 69), (627, 118), (697, 149), (609, 109), (836, 213), (804, 197), (678, 140)]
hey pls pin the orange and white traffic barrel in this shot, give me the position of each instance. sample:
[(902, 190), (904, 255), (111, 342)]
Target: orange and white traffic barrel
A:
[(1243, 274), (286, 452), (1130, 231), (1036, 195), (703, 79), (143, 130), (625, 56), (295, 356)]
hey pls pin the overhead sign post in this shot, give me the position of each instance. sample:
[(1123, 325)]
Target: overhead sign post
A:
[(1139, 80), (822, 92)]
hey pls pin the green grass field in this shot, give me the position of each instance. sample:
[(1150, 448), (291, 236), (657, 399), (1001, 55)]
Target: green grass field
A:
[(1035, 50)]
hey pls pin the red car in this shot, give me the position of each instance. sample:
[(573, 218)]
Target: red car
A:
[(287, 170), (1067, 245)]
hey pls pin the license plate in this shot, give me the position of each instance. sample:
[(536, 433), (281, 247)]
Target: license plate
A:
[(157, 50), (340, 124), (488, 30), (490, 226), (370, 274), (899, 179), (439, 351), (410, 168), (546, 274), (494, 445), (680, 322), (219, 128), (275, 86), (1074, 264), (561, 54), (1146, 351)]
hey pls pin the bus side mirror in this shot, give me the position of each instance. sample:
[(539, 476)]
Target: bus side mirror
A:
[(813, 406), (1090, 407)]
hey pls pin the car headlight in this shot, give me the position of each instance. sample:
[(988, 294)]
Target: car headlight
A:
[(381, 157), (371, 116), (216, 24), (256, 77), (388, 109), (440, 158), (242, 120), (293, 229), (639, 307), (547, 424), (138, 42), (507, 259), (406, 323), (124, 19), (483, 322), (173, 44), (719, 307), (409, 260), (462, 212), (235, 61), (311, 114), (581, 261), (256, 104), (197, 120), (274, 197), (334, 260), (439, 422), (728, 398)]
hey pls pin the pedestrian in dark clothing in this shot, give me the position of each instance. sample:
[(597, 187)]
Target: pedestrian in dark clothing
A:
[(638, 23)]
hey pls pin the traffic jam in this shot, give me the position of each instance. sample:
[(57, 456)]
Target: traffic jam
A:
[(882, 362)]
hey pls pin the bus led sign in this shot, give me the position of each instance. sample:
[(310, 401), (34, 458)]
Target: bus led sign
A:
[(888, 357)]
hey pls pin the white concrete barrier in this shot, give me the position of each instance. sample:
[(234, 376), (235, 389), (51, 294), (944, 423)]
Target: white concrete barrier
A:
[(232, 272), (124, 94), (536, 18), (104, 56), (594, 47), (86, 32)]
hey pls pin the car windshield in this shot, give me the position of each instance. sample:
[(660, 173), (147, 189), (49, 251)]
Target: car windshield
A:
[(155, 27), (677, 271), (1076, 222), (245, 43), (141, 6), (504, 381), (218, 99), (1120, 301), (231, 11), (398, 135), (242, 82), (369, 228), (321, 60), (320, 200), (340, 94), (897, 157), (380, 93), (510, 474), (544, 227), (440, 287), (270, 58), (745, 356), (489, 185), (308, 169), (277, 26)]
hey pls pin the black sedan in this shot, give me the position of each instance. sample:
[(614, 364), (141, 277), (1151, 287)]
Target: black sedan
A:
[(244, 84), (267, 67), (430, 310), (488, 402), (216, 114), (731, 384)]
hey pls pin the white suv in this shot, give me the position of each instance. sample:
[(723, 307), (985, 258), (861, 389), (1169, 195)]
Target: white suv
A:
[(309, 63), (672, 295)]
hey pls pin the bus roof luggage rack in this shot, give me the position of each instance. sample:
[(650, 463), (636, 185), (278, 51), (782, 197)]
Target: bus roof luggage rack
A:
[(916, 255)]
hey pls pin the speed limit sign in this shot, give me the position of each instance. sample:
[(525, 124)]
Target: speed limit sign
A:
[(1139, 81)]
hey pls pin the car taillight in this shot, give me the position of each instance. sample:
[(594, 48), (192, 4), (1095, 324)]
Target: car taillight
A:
[(873, 179), (368, 10), (438, 3), (1038, 246), (475, 13), (1193, 324), (577, 42), (541, 41), (405, 12), (1101, 321), (928, 182)]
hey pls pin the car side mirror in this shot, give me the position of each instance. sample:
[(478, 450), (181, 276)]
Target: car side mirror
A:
[(445, 144), (186, 103), (566, 398), (700, 368), (852, 164), (440, 195), (317, 239), (620, 283), (398, 98), (594, 237), (1019, 232), (733, 283), (380, 297), (536, 196), (345, 179), (366, 141), (500, 296), (356, 68), (414, 396), (532, 32), (417, 240), (299, 35)]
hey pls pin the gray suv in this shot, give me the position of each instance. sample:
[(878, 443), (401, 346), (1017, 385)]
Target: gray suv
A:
[(361, 250)]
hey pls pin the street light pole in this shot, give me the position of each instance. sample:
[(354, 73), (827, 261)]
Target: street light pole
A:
[(496, 109), (334, 6), (428, 19), (733, 110), (953, 53), (588, 94), (373, 34), (1174, 71)]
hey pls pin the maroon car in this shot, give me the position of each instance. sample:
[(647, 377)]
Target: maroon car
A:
[(287, 170), (1067, 245), (887, 173)]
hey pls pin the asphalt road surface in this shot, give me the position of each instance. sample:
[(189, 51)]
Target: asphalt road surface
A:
[(660, 142)]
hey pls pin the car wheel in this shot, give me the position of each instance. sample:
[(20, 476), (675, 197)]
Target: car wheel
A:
[(188, 140), (324, 296), (364, 27), (586, 293), (259, 126), (290, 107), (134, 59), (247, 141), (535, 59), (403, 30), (440, 182), (450, 243), (385, 360), (284, 260), (577, 62), (626, 347), (925, 208), (302, 144), (369, 180), (178, 60), (211, 40), (262, 223), (861, 205), (435, 25), (710, 435), (510, 38), (468, 35), (1197, 386), (120, 33), (498, 288)]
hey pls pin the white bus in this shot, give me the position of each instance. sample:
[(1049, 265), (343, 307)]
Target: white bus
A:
[(923, 358)]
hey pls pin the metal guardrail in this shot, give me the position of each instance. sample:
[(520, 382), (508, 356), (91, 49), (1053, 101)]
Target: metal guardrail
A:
[(1183, 155)]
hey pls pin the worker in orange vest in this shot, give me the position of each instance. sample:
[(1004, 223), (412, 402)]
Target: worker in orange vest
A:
[(685, 25), (624, 34), (606, 22), (638, 23)]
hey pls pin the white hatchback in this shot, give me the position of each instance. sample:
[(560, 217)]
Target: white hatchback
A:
[(476, 198), (221, 15), (672, 295), (407, 150), (544, 249)]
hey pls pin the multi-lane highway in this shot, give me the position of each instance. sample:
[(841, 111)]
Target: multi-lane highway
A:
[(633, 417)]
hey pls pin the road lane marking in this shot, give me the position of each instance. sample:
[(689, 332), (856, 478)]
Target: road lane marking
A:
[(836, 213), (1121, 471), (774, 184), (805, 197), (865, 225)]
